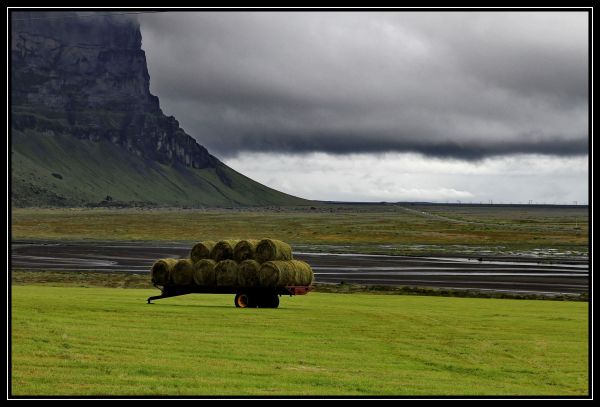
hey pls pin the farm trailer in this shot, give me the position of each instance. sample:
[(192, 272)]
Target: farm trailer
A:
[(244, 297)]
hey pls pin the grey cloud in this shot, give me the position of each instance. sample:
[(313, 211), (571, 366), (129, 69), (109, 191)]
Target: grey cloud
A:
[(464, 85)]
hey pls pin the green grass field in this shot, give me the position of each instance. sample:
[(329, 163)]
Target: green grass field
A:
[(387, 228), (108, 341)]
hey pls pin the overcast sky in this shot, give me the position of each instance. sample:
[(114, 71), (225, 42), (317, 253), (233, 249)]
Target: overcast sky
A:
[(383, 106)]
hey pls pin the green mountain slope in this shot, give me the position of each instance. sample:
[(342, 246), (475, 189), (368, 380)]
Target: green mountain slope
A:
[(60, 170), (85, 129)]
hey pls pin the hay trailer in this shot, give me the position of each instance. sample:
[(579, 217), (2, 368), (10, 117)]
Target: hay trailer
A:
[(244, 297)]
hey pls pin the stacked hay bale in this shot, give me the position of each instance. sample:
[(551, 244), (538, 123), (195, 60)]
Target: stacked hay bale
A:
[(161, 271), (245, 250), (248, 273), (223, 250), (201, 251), (276, 274), (226, 272), (183, 272), (204, 272), (270, 249), (266, 263)]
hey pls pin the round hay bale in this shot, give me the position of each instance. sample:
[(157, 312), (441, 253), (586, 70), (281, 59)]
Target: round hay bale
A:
[(201, 251), (161, 271), (226, 273), (245, 250), (183, 272), (270, 249), (223, 250), (204, 273), (248, 273), (285, 273)]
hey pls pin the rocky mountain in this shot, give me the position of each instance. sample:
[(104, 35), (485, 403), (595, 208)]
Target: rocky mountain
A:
[(85, 128)]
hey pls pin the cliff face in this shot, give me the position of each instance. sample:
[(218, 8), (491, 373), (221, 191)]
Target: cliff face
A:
[(87, 77), (85, 129)]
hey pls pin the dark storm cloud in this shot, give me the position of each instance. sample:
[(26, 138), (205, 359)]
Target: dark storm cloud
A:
[(465, 85)]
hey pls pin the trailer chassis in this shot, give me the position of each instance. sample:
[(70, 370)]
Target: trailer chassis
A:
[(244, 297)]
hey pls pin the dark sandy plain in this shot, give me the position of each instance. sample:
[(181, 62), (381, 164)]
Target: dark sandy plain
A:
[(503, 274)]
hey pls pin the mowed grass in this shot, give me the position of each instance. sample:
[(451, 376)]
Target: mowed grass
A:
[(108, 341), (518, 227)]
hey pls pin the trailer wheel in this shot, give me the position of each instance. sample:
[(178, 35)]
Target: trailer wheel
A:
[(270, 301), (241, 301)]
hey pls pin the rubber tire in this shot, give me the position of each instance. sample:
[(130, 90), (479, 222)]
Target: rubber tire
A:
[(275, 301), (241, 301), (269, 301)]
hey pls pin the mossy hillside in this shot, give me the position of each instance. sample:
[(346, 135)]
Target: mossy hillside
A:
[(88, 172)]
